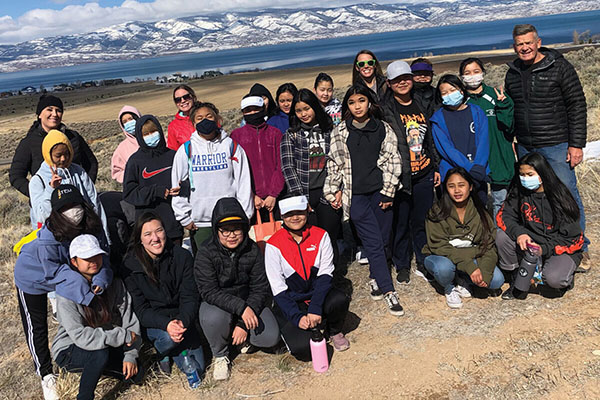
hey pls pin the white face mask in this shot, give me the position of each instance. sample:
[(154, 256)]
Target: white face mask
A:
[(74, 214), (472, 81)]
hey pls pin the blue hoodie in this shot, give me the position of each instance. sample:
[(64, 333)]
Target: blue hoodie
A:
[(451, 157), (280, 121), (43, 267)]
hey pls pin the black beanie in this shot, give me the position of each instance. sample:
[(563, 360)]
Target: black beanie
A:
[(48, 100), (65, 195)]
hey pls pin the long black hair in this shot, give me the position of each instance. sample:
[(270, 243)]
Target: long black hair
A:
[(445, 206), (321, 117), (359, 88), (452, 80), (136, 246), (564, 207), (356, 77), (286, 87), (470, 60), (64, 230)]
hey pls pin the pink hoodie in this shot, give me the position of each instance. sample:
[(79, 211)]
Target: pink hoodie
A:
[(125, 149)]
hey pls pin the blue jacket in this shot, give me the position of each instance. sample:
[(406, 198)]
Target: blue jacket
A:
[(450, 156), (43, 266), (280, 121)]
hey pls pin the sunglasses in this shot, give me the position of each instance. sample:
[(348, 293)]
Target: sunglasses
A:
[(185, 97), (370, 63)]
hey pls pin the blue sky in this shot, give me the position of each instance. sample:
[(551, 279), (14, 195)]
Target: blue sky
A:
[(17, 8)]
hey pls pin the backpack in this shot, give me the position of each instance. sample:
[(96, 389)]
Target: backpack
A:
[(188, 152)]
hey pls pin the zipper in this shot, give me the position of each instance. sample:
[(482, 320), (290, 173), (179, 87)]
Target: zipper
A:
[(259, 150), (302, 260)]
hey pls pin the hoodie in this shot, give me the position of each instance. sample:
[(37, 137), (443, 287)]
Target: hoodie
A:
[(125, 149), (216, 168), (261, 144), (40, 190), (179, 131), (280, 121), (148, 176), (259, 90)]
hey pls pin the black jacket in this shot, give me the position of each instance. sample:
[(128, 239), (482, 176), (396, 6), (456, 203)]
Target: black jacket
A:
[(147, 176), (426, 99), (550, 106), (231, 280), (392, 117), (175, 296), (28, 156)]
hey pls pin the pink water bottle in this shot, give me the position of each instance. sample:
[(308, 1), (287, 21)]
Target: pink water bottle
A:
[(318, 351)]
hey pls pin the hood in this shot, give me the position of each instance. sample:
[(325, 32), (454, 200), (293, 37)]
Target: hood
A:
[(259, 90), (228, 207), (127, 109), (162, 145), (53, 138)]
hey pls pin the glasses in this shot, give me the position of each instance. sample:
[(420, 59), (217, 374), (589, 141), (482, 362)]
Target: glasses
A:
[(370, 63), (227, 232), (185, 97)]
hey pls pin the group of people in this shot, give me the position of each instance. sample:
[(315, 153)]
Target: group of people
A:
[(405, 166)]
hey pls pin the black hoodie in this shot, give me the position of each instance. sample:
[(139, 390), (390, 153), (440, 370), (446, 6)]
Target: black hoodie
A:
[(231, 280), (148, 176), (259, 90)]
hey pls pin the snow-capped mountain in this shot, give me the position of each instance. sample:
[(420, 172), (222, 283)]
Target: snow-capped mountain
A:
[(242, 29)]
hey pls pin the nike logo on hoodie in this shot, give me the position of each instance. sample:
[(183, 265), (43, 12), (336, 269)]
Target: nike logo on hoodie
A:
[(148, 175)]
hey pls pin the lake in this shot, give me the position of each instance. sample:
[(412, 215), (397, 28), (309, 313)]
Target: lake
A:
[(387, 46)]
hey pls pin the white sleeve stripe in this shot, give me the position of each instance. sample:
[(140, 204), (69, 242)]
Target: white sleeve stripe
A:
[(325, 256)]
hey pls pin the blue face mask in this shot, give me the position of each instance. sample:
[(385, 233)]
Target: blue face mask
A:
[(152, 139), (129, 127), (453, 99), (530, 182)]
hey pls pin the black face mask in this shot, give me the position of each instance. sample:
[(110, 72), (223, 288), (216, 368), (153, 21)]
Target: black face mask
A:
[(206, 127), (421, 85), (256, 119)]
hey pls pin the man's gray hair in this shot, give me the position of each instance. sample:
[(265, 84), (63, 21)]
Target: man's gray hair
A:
[(524, 29)]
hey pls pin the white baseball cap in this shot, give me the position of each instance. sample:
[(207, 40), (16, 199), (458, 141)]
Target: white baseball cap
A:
[(85, 246), (398, 68), (296, 203), (249, 101)]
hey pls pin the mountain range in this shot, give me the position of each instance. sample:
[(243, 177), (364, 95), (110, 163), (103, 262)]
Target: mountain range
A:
[(244, 29)]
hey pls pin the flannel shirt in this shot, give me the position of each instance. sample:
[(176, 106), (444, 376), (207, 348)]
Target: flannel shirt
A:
[(339, 167)]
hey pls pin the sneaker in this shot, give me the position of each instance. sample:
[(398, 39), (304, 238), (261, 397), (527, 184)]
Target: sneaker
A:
[(585, 264), (247, 348), (49, 387), (340, 343), (362, 260), (462, 292), (393, 304), (508, 294), (453, 299), (403, 276), (164, 366), (375, 291), (221, 369), (422, 272)]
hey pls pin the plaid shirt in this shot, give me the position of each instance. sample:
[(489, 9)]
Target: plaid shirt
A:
[(339, 167), (295, 160)]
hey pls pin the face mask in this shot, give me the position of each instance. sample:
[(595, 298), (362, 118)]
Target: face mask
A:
[(453, 99), (420, 85), (129, 127), (530, 182), (255, 119), (152, 139), (206, 126), (472, 81), (74, 214)]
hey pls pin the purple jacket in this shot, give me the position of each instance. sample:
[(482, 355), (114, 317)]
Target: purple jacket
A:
[(261, 145)]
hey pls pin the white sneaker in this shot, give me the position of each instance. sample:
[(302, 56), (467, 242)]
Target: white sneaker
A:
[(220, 369), (462, 291), (49, 387), (453, 299), (360, 258)]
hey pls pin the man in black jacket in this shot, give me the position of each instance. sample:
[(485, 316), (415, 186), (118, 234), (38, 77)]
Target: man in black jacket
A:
[(28, 155), (550, 109)]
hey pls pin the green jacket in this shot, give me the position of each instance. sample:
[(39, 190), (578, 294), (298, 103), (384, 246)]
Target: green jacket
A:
[(500, 122), (459, 242)]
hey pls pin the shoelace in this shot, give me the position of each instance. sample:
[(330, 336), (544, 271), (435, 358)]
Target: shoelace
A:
[(392, 299)]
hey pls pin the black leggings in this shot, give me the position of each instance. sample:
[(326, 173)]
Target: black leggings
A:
[(34, 315), (326, 217)]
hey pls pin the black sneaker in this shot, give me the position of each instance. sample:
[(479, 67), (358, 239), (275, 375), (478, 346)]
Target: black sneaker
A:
[(164, 366), (375, 291), (422, 272), (508, 294), (403, 276), (393, 304)]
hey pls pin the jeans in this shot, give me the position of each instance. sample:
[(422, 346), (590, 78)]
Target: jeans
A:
[(556, 156), (167, 347), (499, 193), (444, 272)]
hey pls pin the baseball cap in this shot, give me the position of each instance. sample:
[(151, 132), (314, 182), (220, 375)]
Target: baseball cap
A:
[(296, 203), (65, 195), (85, 246), (398, 68), (249, 101)]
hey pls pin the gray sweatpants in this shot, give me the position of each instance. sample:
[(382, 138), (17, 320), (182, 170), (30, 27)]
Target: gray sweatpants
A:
[(217, 326), (557, 271)]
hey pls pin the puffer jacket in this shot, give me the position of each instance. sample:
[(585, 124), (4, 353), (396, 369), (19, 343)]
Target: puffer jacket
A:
[(550, 107)]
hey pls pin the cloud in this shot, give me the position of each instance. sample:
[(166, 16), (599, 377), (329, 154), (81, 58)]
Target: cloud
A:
[(91, 16)]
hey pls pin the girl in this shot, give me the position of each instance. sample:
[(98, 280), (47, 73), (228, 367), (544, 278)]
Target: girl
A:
[(127, 117), (304, 150), (97, 336), (363, 171), (43, 266), (460, 240), (324, 90), (158, 275), (230, 274), (147, 184), (499, 110), (216, 167), (181, 128), (541, 214), (259, 90), (460, 133), (367, 71), (285, 96)]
